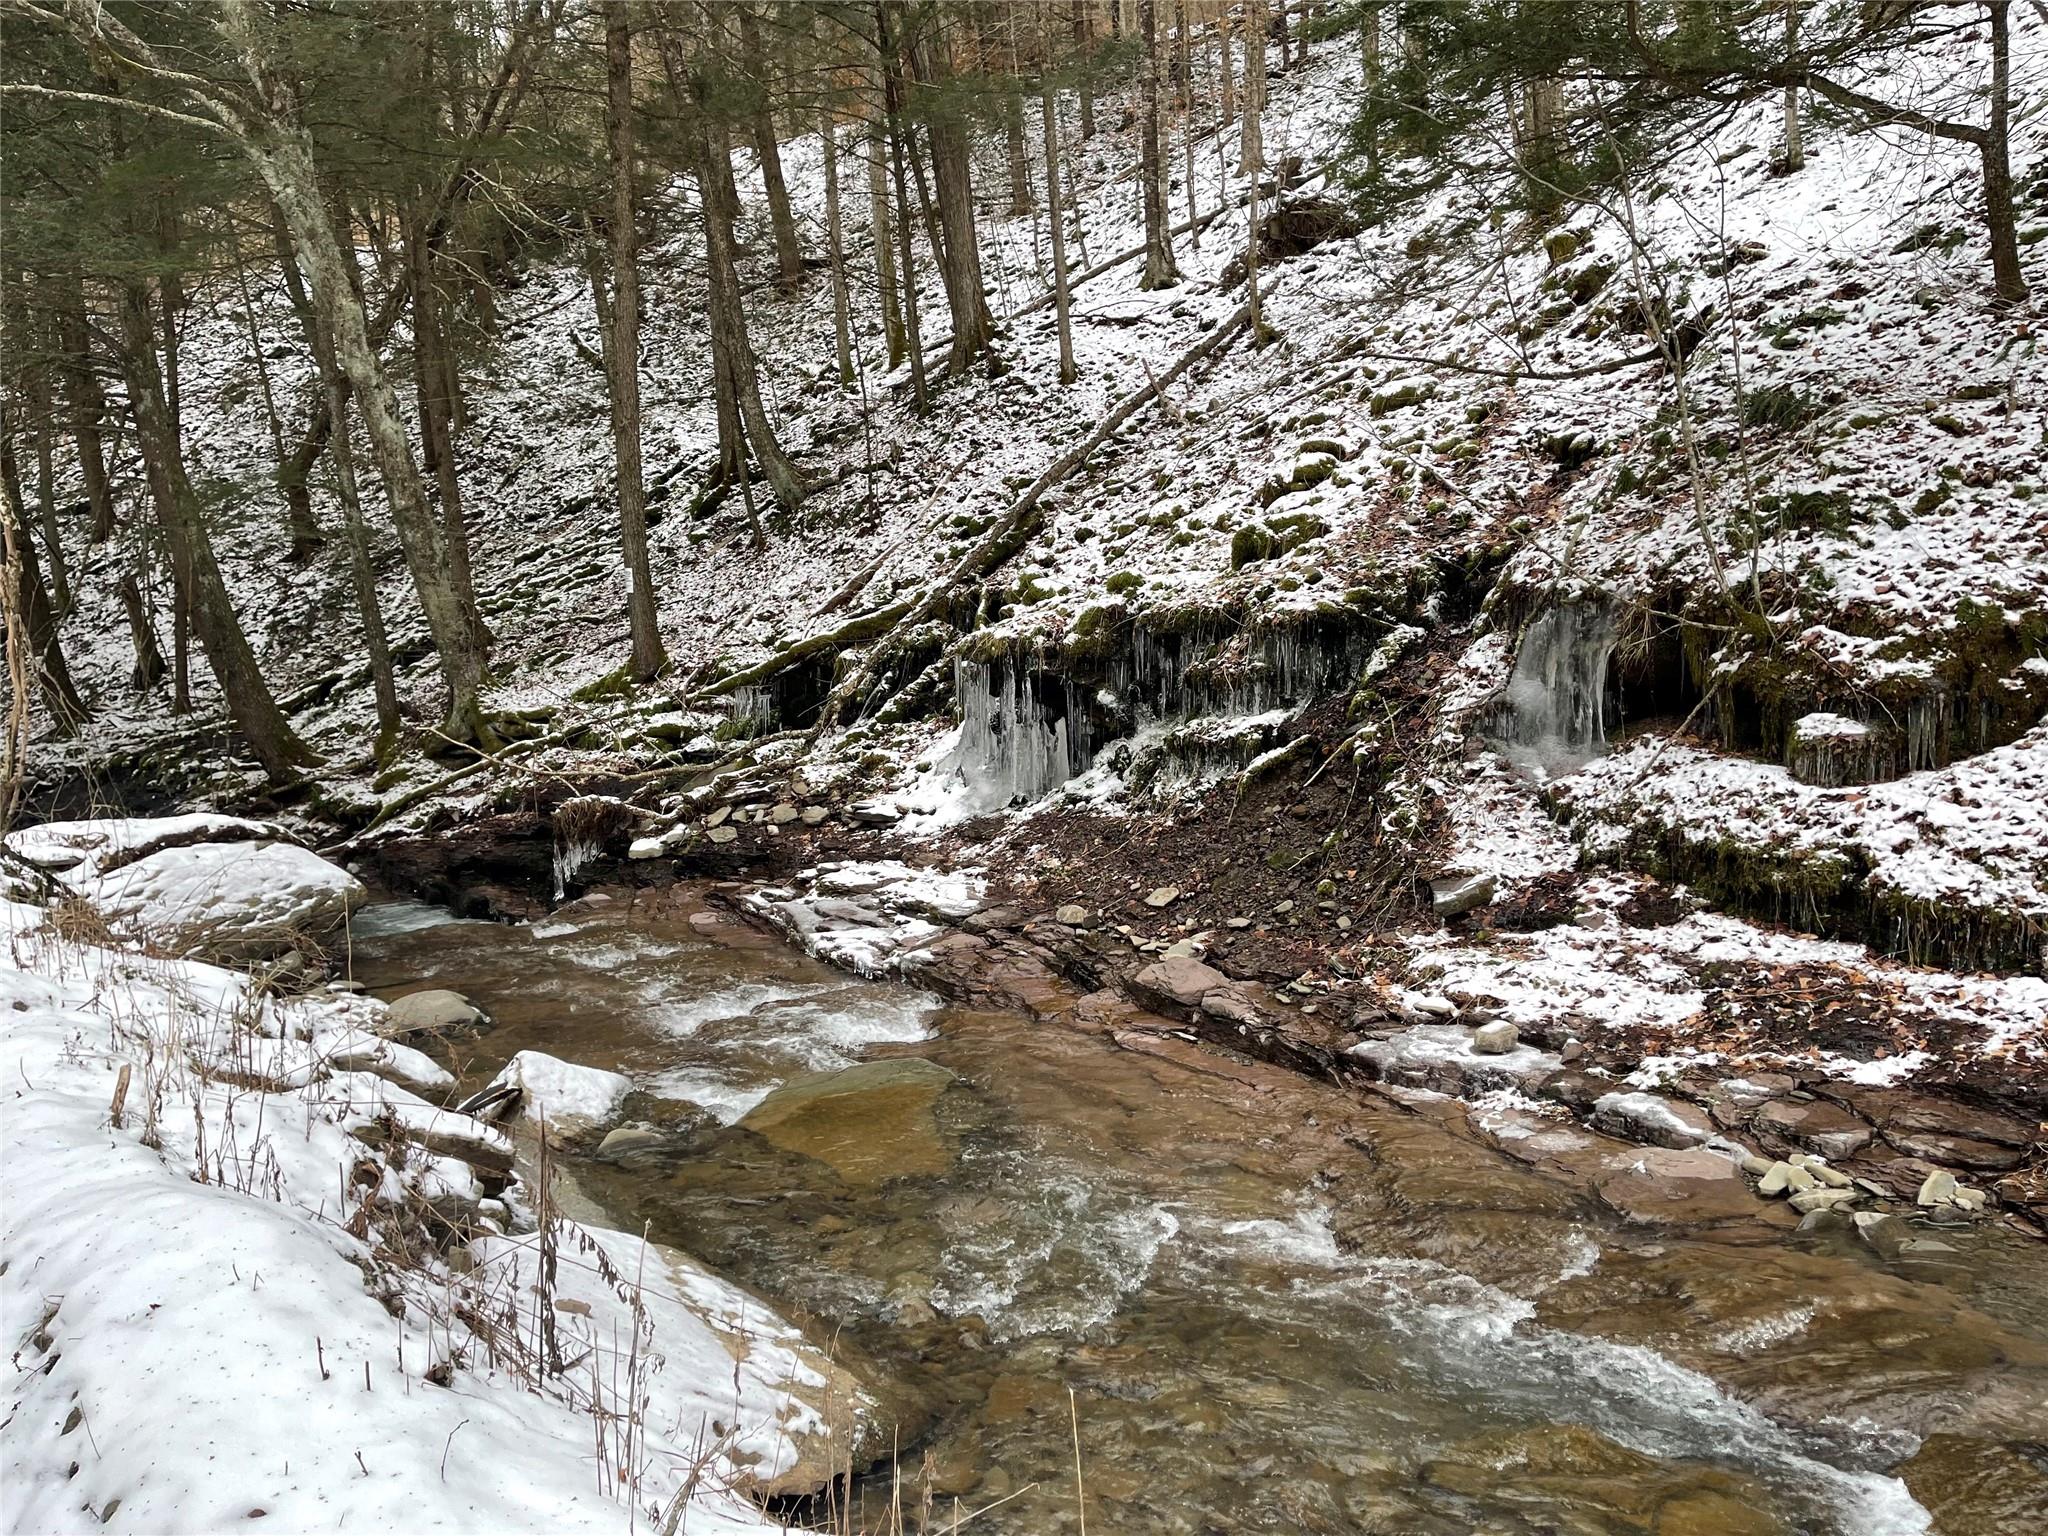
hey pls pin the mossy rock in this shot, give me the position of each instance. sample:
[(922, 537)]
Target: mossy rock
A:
[(1251, 544), (1123, 583), (1402, 394)]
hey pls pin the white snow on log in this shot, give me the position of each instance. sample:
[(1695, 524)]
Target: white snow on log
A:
[(1822, 726), (81, 847)]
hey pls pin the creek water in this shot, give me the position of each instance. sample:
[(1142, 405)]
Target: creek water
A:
[(1277, 1307)]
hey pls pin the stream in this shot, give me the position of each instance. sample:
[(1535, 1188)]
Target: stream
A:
[(1277, 1306)]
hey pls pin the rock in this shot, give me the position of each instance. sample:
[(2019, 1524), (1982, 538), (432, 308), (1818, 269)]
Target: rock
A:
[(1938, 1188), (1581, 1090), (1458, 894), (1178, 979), (811, 815), (1822, 1199), (874, 813), (723, 834), (1072, 915), (435, 1014), (1163, 896), (783, 814), (1282, 908), (1973, 1485), (1834, 1178), (1826, 1128), (1962, 1151), (568, 1097), (1653, 1118), (1775, 1179), (1969, 1199), (1238, 924), (234, 901), (629, 1138), (1678, 1185), (870, 1123), (646, 848), (1495, 1039), (719, 817), (1573, 1050), (1754, 1166)]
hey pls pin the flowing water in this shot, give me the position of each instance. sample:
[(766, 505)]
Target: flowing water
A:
[(1276, 1307)]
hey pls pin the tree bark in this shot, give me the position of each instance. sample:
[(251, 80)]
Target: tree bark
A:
[(789, 255), (1013, 144), (1049, 118), (622, 355), (32, 603), (2008, 281), (249, 701), (835, 249), (1084, 40), (433, 384), (1251, 149), (1795, 145), (883, 240), (88, 405), (1160, 270), (960, 260), (1227, 88), (729, 320), (148, 670)]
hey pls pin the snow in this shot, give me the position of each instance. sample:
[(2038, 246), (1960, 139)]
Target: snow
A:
[(222, 1313), (561, 1093), (868, 917), (82, 847), (231, 898)]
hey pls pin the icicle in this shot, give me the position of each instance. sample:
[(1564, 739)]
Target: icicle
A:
[(1554, 713)]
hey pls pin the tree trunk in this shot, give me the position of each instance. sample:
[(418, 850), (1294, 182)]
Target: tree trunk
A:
[(1050, 121), (148, 670), (376, 643), (884, 241), (181, 575), (1084, 38), (39, 346), (1251, 154), (434, 386), (248, 696), (1280, 28), (1227, 88), (906, 253), (1160, 271), (835, 249), (729, 321), (1254, 151), (2008, 281), (1795, 146), (789, 255), (88, 405), (622, 355), (1013, 139), (960, 260), (32, 602), (1184, 14), (284, 159)]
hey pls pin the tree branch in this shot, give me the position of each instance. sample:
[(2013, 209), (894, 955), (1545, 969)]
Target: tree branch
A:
[(126, 103)]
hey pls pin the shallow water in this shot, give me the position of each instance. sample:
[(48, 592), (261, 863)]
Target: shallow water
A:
[(1277, 1308)]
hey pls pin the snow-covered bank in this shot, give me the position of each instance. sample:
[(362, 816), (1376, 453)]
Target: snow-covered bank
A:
[(246, 1282)]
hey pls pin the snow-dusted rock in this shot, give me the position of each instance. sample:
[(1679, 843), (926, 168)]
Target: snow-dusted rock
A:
[(568, 1097), (241, 900)]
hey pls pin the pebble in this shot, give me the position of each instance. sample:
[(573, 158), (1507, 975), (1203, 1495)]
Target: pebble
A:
[(784, 814), (723, 834), (1072, 915), (1821, 1199), (719, 817), (813, 814), (1969, 1199), (1283, 906), (1238, 922), (1834, 1178), (1163, 896)]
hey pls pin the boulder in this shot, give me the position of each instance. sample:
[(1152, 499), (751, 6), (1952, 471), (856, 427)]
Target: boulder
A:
[(1496, 1039), (226, 901), (1455, 895), (435, 1014), (869, 1123), (625, 1139), (1178, 979)]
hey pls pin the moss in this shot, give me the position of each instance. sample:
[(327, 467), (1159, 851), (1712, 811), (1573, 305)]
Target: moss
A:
[(1122, 583), (615, 684), (1778, 407), (1252, 543)]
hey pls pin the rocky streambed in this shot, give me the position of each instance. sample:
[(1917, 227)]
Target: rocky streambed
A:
[(1296, 1274)]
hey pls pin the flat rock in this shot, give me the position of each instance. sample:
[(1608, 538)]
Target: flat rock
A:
[(1827, 1128), (1072, 915), (869, 1123), (874, 813), (1496, 1039), (1650, 1117), (1684, 1186), (1163, 896)]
